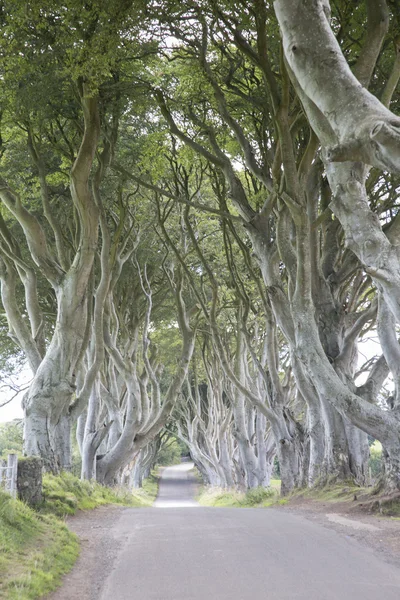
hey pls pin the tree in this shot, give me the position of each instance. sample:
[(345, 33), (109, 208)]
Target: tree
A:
[(217, 183), (70, 52), (351, 141), (284, 166)]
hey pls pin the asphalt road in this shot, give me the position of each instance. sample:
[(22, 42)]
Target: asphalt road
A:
[(179, 551)]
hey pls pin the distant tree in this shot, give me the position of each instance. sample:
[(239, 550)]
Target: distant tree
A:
[(11, 437)]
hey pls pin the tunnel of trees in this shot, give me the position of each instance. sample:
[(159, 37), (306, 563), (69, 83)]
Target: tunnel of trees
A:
[(198, 227)]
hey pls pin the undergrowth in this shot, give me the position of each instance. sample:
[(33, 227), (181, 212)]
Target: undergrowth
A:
[(361, 498), (36, 547)]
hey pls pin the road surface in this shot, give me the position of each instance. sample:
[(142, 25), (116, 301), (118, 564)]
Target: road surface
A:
[(177, 488), (180, 551)]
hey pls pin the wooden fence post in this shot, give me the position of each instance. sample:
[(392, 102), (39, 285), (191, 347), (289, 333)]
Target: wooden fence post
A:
[(12, 464)]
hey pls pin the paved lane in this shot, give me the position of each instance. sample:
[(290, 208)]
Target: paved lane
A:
[(183, 553), (177, 488)]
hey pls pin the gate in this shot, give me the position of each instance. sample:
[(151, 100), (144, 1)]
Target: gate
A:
[(8, 475)]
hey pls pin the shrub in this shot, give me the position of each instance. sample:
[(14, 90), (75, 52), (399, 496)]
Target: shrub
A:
[(65, 494), (258, 495)]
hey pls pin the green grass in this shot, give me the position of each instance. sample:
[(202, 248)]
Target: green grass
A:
[(276, 484), (65, 494), (150, 488), (366, 498), (256, 498), (36, 547), (35, 551), (333, 493), (387, 507)]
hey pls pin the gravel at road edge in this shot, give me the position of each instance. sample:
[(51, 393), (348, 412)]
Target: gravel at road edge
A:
[(99, 547)]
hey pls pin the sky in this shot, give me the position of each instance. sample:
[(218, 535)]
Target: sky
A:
[(13, 409)]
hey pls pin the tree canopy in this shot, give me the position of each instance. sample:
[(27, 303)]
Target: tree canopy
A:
[(198, 225)]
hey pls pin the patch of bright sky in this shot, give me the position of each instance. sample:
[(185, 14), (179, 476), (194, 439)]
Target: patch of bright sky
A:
[(13, 410)]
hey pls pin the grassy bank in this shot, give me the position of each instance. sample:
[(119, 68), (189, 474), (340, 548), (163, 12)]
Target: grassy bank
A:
[(65, 494), (36, 547), (347, 496), (352, 497), (255, 498), (35, 550)]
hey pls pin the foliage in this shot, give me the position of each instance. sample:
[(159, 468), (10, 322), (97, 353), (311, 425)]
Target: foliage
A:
[(224, 96), (170, 453), (10, 437), (35, 551), (276, 470), (12, 360)]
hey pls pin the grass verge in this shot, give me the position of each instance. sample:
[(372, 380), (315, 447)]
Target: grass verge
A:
[(346, 495), (65, 494), (36, 547), (255, 498), (333, 493), (35, 551), (150, 487), (362, 499)]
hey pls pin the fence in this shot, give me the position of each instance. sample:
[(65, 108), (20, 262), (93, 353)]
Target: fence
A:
[(8, 474)]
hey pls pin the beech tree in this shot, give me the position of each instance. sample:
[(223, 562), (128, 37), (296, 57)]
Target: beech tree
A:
[(356, 131), (280, 159), (204, 177), (69, 52)]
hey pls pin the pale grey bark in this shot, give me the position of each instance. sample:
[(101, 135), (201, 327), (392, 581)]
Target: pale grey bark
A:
[(18, 329), (94, 434), (328, 331), (204, 421), (46, 404), (145, 416), (360, 127), (143, 463), (390, 345), (366, 132), (352, 126), (249, 459)]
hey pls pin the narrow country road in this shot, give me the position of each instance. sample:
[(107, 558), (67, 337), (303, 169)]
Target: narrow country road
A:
[(177, 488), (180, 552)]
